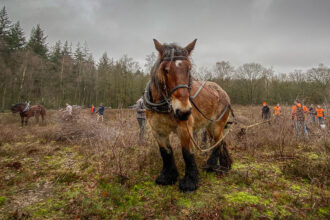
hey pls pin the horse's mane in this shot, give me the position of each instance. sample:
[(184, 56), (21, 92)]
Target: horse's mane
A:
[(19, 104), (167, 51)]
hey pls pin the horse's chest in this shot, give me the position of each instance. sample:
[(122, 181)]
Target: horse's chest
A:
[(162, 123)]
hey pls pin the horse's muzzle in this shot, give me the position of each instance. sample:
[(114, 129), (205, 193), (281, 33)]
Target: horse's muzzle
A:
[(182, 115)]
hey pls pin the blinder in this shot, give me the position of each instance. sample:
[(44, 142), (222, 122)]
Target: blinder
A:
[(165, 105)]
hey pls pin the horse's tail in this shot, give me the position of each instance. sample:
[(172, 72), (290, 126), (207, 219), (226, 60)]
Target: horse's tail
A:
[(232, 114)]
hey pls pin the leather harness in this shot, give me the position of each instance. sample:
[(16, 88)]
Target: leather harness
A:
[(164, 106)]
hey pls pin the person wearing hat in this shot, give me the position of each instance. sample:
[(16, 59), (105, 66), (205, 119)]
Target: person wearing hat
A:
[(298, 117), (277, 112), (265, 112)]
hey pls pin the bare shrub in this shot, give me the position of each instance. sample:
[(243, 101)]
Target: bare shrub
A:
[(277, 136), (9, 118), (112, 146), (8, 134)]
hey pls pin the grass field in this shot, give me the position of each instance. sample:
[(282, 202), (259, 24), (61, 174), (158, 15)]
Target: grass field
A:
[(88, 170)]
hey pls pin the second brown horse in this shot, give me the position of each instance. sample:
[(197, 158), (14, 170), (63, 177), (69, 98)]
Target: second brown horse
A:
[(26, 112)]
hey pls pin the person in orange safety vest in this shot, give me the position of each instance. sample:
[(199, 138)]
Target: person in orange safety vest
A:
[(277, 112), (320, 114), (92, 109)]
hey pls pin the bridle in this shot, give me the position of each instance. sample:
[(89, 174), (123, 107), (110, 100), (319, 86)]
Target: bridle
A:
[(165, 105), (171, 58)]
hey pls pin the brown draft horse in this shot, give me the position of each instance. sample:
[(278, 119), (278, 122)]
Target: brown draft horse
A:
[(177, 103), (34, 110)]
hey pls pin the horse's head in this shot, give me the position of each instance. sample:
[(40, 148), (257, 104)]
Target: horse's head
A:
[(17, 108), (173, 74)]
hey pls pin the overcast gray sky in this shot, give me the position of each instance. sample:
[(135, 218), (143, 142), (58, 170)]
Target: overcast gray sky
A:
[(285, 34)]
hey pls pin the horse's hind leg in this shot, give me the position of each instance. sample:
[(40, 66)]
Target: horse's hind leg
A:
[(37, 118), (169, 173), (224, 157), (220, 152), (42, 119), (212, 162)]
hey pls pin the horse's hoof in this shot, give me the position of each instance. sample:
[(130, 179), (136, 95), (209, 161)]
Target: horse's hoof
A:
[(187, 184), (167, 179)]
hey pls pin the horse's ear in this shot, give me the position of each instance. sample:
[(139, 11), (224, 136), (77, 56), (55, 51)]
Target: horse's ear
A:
[(190, 47), (158, 46)]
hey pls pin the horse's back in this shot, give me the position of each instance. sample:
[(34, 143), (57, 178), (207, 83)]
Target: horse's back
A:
[(39, 108), (211, 101), (221, 94)]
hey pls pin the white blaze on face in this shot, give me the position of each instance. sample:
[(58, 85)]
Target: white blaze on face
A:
[(177, 104), (178, 62)]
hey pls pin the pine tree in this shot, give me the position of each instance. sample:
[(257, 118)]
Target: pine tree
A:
[(66, 49), (16, 38), (79, 54), (56, 53), (5, 23), (37, 42)]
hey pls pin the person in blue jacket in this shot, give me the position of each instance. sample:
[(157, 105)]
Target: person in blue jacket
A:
[(100, 112)]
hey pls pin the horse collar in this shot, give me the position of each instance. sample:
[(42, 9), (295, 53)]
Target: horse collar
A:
[(165, 105)]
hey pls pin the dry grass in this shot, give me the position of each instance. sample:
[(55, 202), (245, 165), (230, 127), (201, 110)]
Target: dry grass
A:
[(87, 169)]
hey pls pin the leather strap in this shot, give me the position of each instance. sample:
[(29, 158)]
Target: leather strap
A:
[(198, 91), (179, 86), (174, 58), (211, 120)]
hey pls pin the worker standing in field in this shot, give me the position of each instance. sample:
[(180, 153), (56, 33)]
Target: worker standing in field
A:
[(320, 115), (312, 114), (67, 113), (141, 117), (265, 112), (100, 112), (68, 109), (298, 115), (92, 109), (277, 112)]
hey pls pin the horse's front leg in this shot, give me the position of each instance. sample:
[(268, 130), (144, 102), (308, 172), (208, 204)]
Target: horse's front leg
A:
[(169, 173), (26, 121), (190, 180), (22, 121)]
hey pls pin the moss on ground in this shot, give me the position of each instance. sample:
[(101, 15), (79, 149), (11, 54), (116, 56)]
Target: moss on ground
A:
[(60, 181)]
